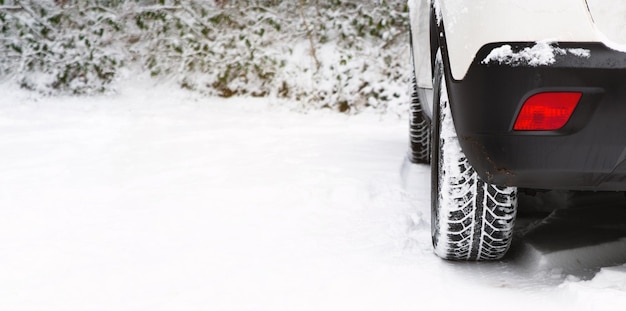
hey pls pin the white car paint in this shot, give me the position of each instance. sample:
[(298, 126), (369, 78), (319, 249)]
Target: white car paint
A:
[(469, 25), (420, 31), (610, 20)]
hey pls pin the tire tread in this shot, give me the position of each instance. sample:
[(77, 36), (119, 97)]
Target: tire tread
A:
[(474, 219), (419, 129)]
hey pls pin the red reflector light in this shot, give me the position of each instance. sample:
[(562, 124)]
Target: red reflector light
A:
[(547, 111)]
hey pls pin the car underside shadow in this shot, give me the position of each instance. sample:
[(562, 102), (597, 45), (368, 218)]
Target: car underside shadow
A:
[(586, 231)]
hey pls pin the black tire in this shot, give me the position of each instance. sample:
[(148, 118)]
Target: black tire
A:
[(471, 219), (419, 127)]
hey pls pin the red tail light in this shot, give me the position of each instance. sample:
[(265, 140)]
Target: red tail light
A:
[(547, 111)]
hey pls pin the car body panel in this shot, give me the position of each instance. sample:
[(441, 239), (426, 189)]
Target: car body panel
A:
[(497, 53), (470, 25), (420, 35), (609, 17)]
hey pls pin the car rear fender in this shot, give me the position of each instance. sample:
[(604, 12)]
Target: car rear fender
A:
[(471, 24)]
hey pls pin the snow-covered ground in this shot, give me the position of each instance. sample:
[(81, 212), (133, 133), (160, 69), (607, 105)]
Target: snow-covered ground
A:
[(157, 199)]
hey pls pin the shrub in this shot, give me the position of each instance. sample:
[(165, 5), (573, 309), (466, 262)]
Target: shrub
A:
[(337, 54)]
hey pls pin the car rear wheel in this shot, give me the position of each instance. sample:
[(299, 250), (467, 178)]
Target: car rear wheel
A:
[(471, 219)]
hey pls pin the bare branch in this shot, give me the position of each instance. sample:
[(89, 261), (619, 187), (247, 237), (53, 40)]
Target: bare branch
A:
[(309, 34)]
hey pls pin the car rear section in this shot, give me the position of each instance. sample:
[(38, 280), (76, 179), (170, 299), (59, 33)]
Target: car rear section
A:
[(512, 76), (586, 152), (527, 94)]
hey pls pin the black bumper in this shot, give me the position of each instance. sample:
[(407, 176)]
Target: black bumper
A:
[(588, 153)]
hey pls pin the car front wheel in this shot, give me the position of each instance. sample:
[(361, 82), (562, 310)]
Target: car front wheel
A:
[(419, 127)]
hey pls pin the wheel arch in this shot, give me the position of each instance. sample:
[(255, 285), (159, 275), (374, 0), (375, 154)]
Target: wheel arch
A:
[(471, 25)]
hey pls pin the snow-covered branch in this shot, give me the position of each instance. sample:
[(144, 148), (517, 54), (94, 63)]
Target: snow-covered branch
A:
[(10, 8)]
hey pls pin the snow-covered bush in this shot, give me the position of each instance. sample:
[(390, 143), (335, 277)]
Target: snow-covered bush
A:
[(53, 49), (226, 51), (361, 48), (324, 53)]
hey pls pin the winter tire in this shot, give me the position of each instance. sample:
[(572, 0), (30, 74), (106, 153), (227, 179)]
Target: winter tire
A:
[(471, 219), (419, 127)]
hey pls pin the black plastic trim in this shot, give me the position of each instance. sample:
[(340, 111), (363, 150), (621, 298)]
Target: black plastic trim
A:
[(588, 153)]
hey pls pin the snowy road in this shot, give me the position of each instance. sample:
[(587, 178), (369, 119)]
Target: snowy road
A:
[(159, 200)]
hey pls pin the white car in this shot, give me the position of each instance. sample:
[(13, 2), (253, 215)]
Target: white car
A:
[(509, 96)]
